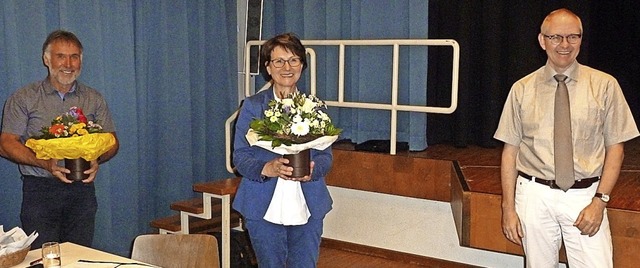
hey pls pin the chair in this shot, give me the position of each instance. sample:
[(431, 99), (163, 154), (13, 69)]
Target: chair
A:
[(177, 250)]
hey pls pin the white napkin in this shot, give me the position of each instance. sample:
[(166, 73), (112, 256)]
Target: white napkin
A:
[(288, 205), (7, 237), (15, 240)]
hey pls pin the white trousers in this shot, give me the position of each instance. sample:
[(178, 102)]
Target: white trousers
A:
[(547, 216)]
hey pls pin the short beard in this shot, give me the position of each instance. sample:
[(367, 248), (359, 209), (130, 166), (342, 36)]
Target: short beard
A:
[(56, 75)]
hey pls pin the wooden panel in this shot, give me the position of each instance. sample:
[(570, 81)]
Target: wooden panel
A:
[(398, 175), (484, 179), (460, 207), (626, 193), (486, 224), (625, 230)]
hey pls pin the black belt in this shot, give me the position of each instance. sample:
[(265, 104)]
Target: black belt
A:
[(579, 184)]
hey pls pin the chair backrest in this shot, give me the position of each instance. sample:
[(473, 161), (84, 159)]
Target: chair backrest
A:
[(177, 250)]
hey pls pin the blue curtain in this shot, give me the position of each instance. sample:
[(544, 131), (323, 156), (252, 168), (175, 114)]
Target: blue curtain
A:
[(368, 69), (168, 71)]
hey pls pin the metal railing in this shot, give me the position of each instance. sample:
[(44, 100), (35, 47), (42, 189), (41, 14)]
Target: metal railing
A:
[(393, 107)]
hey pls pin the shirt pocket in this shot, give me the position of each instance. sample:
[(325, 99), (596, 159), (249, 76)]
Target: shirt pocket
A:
[(588, 113)]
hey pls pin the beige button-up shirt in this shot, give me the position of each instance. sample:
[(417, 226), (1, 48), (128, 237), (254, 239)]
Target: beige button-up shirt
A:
[(600, 116)]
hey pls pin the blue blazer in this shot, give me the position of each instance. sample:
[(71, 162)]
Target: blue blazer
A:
[(254, 193)]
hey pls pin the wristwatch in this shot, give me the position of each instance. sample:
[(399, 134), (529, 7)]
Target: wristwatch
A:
[(604, 197)]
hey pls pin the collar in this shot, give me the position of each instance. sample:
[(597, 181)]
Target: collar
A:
[(50, 89), (572, 72), (275, 96)]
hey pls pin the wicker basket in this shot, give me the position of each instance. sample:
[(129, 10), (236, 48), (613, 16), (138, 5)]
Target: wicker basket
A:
[(13, 258)]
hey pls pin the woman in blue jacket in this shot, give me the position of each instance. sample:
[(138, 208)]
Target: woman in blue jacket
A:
[(282, 60)]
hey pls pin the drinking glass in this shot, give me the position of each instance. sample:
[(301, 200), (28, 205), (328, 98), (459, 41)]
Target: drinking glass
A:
[(51, 255)]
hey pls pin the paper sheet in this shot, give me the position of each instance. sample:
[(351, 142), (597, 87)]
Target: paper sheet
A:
[(14, 240), (288, 205)]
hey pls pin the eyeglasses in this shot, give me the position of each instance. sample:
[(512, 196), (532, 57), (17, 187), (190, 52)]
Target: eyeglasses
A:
[(556, 39), (293, 62)]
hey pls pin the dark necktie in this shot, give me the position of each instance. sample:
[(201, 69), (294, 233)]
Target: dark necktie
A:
[(563, 146)]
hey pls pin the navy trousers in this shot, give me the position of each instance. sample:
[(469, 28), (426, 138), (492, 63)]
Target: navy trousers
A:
[(279, 246), (58, 211)]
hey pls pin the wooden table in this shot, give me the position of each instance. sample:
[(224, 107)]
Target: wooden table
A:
[(71, 253)]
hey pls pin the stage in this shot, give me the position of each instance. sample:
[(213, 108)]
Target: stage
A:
[(481, 170), (469, 179)]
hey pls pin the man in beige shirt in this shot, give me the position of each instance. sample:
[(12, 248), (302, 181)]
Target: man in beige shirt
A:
[(535, 212)]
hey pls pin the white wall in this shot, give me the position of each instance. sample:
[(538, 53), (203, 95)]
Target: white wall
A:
[(404, 224)]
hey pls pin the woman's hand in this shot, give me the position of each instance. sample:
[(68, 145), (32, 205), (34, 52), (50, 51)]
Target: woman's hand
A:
[(305, 178), (278, 168)]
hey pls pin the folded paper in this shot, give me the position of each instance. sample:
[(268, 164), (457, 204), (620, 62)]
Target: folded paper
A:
[(15, 240), (320, 143), (288, 205), (89, 146)]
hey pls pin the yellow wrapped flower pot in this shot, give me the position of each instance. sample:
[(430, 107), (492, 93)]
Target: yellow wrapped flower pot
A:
[(77, 151), (74, 138)]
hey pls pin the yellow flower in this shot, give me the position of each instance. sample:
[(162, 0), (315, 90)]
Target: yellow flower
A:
[(82, 131), (76, 127)]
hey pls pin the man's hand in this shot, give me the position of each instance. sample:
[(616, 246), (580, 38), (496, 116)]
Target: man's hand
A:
[(57, 171), (92, 171), (591, 217), (511, 226)]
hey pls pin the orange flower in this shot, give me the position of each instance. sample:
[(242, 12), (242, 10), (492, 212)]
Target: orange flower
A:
[(56, 129), (69, 124)]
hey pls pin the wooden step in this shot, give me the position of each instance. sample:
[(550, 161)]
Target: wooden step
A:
[(196, 225), (227, 186), (196, 206), (335, 253)]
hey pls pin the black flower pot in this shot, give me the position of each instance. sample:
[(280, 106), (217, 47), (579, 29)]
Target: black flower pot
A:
[(77, 167), (300, 163)]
